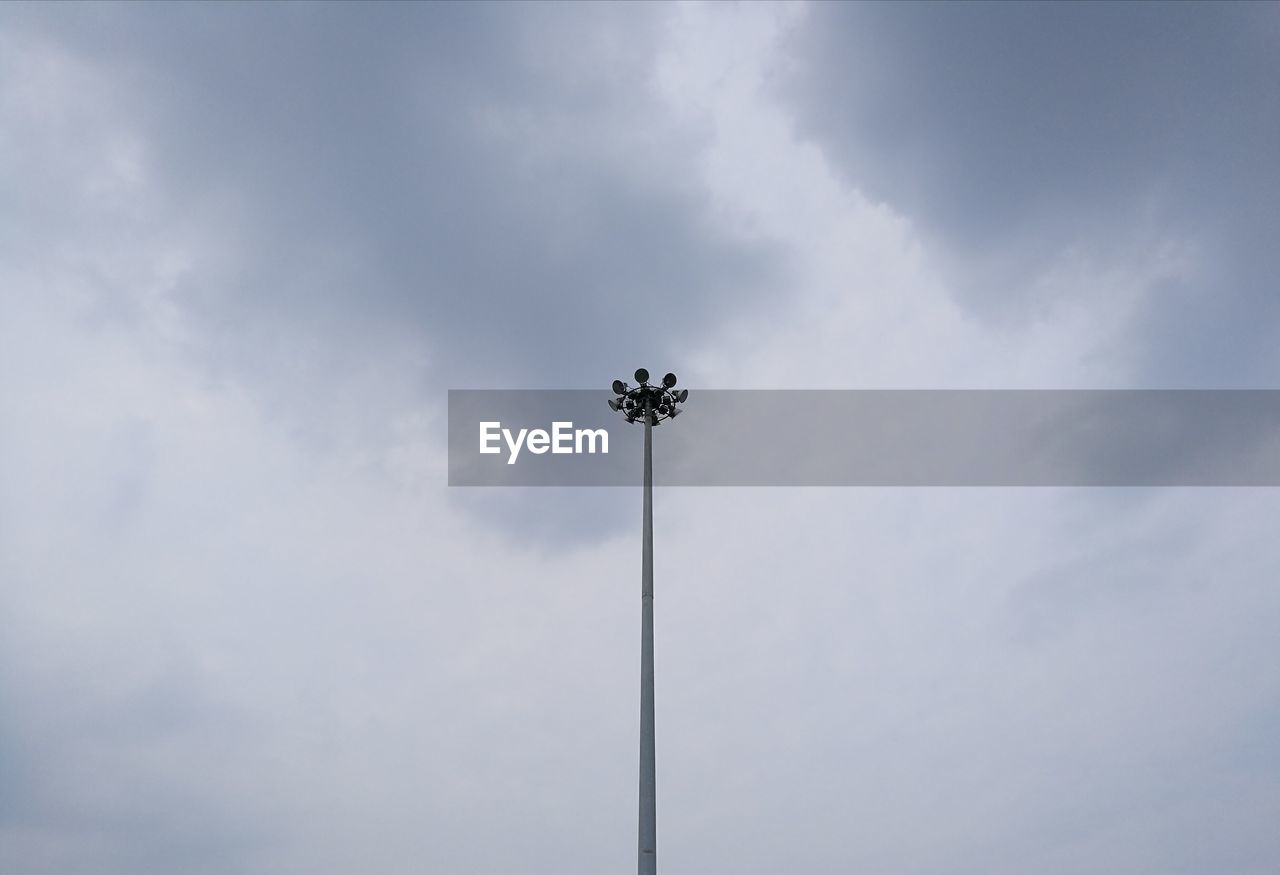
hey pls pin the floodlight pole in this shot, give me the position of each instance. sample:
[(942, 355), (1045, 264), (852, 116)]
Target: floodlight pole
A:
[(656, 403), (648, 769)]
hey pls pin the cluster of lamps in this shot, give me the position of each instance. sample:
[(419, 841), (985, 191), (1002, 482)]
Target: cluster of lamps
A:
[(659, 402)]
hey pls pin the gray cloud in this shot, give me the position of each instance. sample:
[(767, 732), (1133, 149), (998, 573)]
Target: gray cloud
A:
[(498, 181), (496, 188), (1014, 132), (245, 627)]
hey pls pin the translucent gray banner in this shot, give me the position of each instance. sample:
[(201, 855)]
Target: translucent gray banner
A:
[(873, 438)]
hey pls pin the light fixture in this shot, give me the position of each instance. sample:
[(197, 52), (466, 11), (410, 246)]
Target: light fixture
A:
[(656, 403)]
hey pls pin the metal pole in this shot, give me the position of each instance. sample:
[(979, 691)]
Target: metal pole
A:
[(657, 403), (648, 779)]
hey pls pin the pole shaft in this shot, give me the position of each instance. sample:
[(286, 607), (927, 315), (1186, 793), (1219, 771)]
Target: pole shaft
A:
[(648, 864)]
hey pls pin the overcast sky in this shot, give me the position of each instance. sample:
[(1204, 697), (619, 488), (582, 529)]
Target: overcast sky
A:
[(245, 627)]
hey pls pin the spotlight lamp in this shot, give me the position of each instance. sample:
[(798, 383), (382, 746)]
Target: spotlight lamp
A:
[(659, 402)]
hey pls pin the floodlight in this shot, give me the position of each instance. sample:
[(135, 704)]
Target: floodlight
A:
[(647, 403), (675, 411)]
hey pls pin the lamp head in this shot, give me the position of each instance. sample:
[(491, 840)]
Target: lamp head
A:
[(645, 402)]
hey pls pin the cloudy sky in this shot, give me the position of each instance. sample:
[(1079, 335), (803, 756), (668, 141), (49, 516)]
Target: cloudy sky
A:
[(245, 627)]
